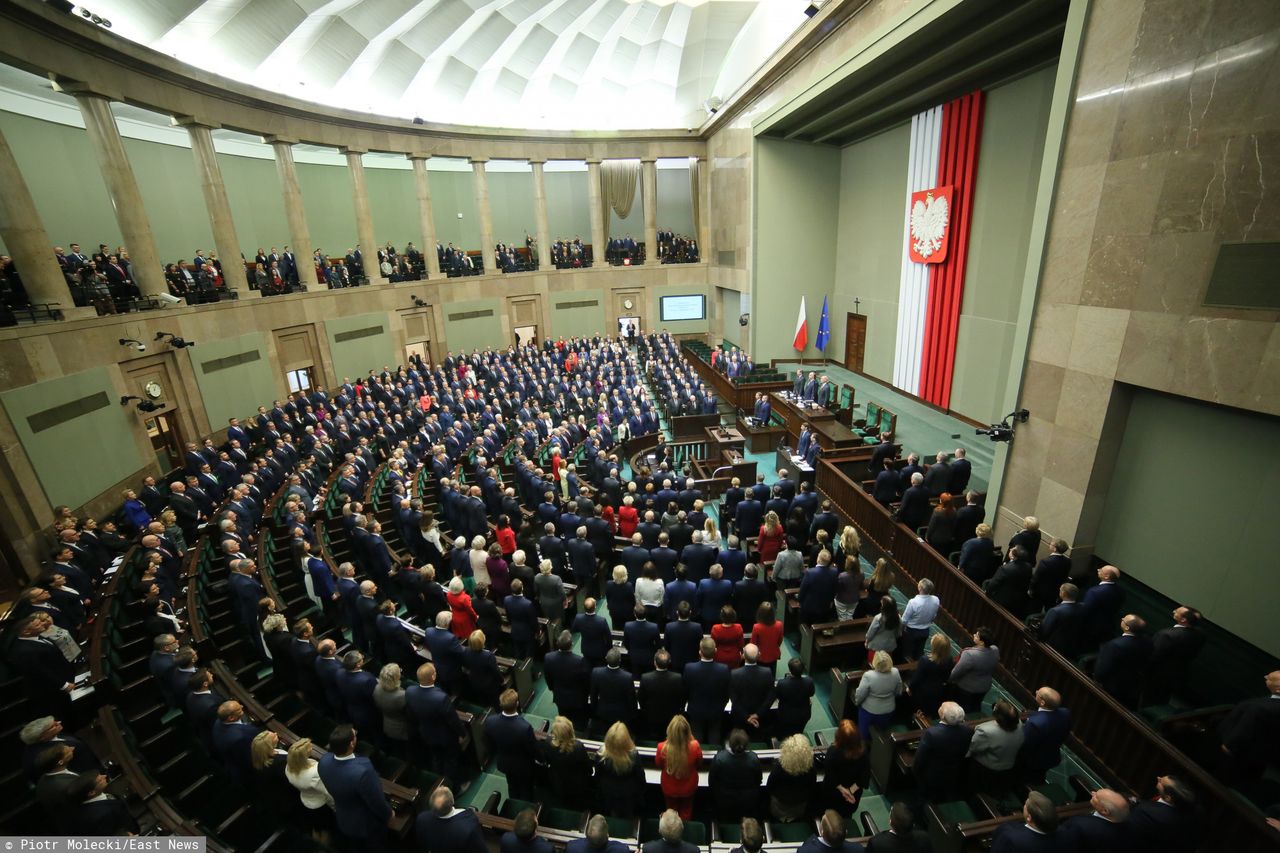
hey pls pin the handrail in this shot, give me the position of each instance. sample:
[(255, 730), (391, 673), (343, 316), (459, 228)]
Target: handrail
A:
[(1105, 731)]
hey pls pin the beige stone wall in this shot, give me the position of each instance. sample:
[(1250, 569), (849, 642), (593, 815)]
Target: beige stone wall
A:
[(1171, 146)]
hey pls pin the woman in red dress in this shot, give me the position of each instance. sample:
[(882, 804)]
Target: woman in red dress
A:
[(464, 615), (766, 635), (628, 517), (770, 541), (728, 637), (679, 756)]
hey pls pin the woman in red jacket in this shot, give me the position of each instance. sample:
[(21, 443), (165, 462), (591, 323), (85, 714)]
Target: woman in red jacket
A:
[(728, 637), (771, 535), (766, 635), (464, 615), (679, 756), (628, 517)]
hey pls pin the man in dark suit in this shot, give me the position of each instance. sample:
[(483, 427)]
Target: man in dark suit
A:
[(1008, 586), (938, 477), (915, 510), (1102, 605), (900, 837), (361, 807), (1122, 662), (202, 706), (1037, 832), (1063, 625), (92, 811), (596, 637), (713, 594), (750, 691), (438, 730), (1166, 824), (641, 638), (747, 517), (831, 837), (246, 592), (48, 675), (232, 737), (1250, 734), (961, 470), (1172, 653), (1050, 574), (634, 556), (613, 693), (582, 559), (446, 651), (523, 837), (818, 590), (662, 694), (514, 744), (569, 678), (665, 560), (885, 490), (697, 558), (748, 594), (941, 754), (670, 837), (357, 687), (707, 683), (682, 638), (444, 828), (522, 613), (1104, 831), (1044, 732), (968, 517)]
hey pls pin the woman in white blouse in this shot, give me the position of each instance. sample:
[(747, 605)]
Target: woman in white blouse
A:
[(649, 592), (303, 773)]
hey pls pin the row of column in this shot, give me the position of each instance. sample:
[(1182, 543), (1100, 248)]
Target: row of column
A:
[(27, 240)]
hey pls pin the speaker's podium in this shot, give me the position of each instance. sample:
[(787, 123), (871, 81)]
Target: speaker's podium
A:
[(798, 471), (725, 460)]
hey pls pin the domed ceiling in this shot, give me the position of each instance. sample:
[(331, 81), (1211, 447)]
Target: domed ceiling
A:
[(545, 64)]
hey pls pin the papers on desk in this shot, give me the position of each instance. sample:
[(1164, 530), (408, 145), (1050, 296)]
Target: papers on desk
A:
[(80, 692)]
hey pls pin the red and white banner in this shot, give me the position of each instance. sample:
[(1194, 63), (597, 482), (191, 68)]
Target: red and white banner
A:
[(802, 329), (941, 172)]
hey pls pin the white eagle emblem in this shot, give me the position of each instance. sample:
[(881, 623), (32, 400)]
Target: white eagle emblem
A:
[(929, 224)]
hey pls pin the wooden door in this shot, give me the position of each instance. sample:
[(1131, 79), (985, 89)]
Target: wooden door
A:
[(855, 341)]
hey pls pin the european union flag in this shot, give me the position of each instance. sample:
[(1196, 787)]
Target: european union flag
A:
[(824, 327)]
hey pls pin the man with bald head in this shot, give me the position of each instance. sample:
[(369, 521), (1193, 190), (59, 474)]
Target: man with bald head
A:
[(1251, 734), (1103, 831), (1044, 732), (232, 739), (1100, 608)]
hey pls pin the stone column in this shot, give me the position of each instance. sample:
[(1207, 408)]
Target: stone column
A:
[(649, 187), (364, 218), (596, 196), (704, 209), (481, 181), (122, 187), (25, 238), (294, 213), (219, 207), (542, 228), (425, 214)]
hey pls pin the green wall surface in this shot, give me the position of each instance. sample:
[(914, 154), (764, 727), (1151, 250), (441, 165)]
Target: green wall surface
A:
[(731, 308), (675, 203), (83, 456), (1157, 527), (511, 206), (682, 327), (453, 193), (586, 320), (1013, 130), (568, 206), (61, 170), (477, 332), (393, 199), (253, 189), (238, 390), (797, 204), (173, 198), (873, 183), (331, 214), (356, 357)]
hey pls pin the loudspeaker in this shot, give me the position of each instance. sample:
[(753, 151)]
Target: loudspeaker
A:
[(743, 319)]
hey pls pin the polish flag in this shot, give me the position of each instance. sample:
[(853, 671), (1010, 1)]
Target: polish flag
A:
[(802, 329)]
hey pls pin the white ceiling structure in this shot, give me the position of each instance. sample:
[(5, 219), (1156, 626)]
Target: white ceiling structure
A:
[(541, 64)]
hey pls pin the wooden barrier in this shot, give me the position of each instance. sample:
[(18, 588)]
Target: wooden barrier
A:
[(1118, 743)]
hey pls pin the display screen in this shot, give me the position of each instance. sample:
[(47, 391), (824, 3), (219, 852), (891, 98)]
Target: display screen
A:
[(692, 307)]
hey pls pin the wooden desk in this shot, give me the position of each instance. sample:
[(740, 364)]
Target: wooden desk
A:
[(831, 434), (720, 439), (761, 439), (795, 473)]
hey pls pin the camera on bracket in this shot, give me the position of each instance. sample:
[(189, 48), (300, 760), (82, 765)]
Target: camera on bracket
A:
[(1003, 431)]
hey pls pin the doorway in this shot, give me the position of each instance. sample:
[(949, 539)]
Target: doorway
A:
[(300, 379), (166, 441), (419, 350), (855, 341), (526, 335)]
